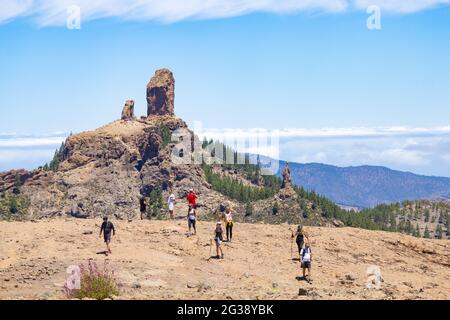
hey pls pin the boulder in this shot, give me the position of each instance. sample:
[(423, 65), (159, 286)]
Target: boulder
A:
[(302, 292), (338, 223)]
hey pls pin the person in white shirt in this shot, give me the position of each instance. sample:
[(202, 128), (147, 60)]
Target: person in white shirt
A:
[(171, 203), (305, 259)]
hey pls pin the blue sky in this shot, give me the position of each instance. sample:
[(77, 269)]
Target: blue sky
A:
[(242, 65)]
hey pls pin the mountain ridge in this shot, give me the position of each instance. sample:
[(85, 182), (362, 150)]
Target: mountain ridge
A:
[(367, 186)]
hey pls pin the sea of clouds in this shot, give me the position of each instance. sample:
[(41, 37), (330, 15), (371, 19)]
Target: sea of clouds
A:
[(419, 150)]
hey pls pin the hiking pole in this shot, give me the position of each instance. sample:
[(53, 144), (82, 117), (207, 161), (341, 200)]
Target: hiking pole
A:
[(210, 249), (292, 242)]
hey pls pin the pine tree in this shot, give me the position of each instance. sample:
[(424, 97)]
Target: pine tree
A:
[(248, 209), (205, 143), (427, 215), (58, 157), (409, 228), (17, 184), (275, 208), (426, 233), (439, 232), (166, 135), (307, 213), (2, 191), (392, 223), (417, 231), (156, 203), (13, 205)]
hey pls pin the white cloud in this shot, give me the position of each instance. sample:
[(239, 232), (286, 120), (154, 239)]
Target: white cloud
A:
[(54, 12), (30, 142), (28, 151), (424, 155), (401, 6), (12, 156), (446, 157), (10, 9), (420, 150), (365, 132), (355, 132), (401, 156)]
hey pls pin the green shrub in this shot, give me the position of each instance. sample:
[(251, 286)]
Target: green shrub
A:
[(12, 206), (276, 208), (166, 135), (156, 203), (248, 209)]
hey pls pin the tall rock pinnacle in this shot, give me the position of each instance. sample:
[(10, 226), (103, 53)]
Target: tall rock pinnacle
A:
[(128, 110), (160, 93), (286, 177)]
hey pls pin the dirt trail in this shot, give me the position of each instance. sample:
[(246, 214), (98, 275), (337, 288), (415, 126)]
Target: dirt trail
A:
[(156, 260)]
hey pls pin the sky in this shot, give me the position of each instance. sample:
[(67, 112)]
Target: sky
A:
[(339, 92)]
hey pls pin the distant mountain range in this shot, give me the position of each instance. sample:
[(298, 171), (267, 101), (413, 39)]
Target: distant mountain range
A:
[(367, 186)]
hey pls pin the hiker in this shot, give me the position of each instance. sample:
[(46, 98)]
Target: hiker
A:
[(171, 203), (218, 238), (192, 218), (106, 228), (228, 219), (143, 205), (299, 236), (192, 198), (305, 259)]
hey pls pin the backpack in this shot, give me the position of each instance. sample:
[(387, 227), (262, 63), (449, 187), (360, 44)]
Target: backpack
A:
[(306, 256), (219, 232), (191, 215)]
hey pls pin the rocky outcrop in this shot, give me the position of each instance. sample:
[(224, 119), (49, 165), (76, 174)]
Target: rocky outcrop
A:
[(160, 93), (14, 179), (128, 110), (107, 171), (287, 182)]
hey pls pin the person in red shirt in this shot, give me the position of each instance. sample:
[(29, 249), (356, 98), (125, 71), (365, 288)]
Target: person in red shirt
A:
[(192, 198)]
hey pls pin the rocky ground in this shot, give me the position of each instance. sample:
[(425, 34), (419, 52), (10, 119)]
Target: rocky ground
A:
[(156, 260)]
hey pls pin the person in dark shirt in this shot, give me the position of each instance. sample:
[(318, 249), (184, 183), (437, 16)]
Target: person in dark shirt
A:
[(300, 236), (218, 238), (107, 228), (143, 207)]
